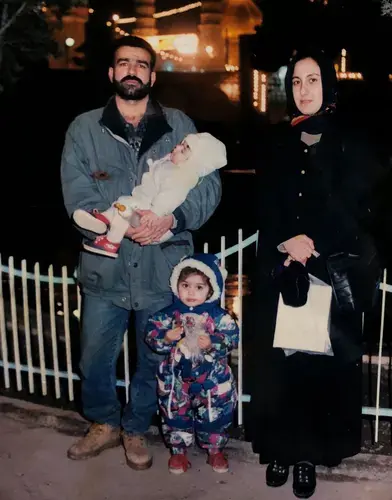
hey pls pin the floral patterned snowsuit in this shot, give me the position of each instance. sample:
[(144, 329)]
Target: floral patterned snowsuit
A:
[(195, 397)]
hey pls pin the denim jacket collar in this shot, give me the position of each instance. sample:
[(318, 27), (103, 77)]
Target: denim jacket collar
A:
[(156, 125)]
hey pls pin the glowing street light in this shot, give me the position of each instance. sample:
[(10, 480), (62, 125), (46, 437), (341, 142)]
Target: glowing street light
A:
[(69, 42)]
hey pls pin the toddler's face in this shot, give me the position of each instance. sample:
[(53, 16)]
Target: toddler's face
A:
[(193, 291), (180, 153)]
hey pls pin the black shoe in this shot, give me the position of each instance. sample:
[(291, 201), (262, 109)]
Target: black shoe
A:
[(304, 479), (276, 474)]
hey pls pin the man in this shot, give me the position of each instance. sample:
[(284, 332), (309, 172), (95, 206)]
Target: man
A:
[(104, 157)]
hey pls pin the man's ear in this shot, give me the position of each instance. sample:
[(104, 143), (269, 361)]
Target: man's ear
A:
[(153, 78), (110, 74)]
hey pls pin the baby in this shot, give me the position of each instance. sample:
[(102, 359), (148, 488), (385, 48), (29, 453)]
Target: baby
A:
[(163, 189)]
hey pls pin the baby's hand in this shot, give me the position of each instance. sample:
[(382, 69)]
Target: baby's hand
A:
[(175, 334), (204, 342)]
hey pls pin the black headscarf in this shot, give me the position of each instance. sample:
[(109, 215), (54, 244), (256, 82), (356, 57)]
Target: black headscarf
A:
[(313, 124)]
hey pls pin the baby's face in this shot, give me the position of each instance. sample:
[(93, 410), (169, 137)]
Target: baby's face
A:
[(180, 153)]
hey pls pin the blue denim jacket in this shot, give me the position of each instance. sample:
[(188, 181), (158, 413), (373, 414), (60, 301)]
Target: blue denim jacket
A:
[(98, 165)]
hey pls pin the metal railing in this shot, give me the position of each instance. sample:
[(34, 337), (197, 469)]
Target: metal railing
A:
[(52, 320)]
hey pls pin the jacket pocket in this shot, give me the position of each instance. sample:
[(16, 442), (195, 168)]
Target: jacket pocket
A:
[(97, 272)]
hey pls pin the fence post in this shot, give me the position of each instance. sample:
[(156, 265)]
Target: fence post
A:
[(67, 333), (26, 314), (384, 294), (38, 309), (3, 334), (14, 321)]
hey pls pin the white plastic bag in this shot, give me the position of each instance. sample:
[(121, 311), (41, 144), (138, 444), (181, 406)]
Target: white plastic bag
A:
[(306, 328)]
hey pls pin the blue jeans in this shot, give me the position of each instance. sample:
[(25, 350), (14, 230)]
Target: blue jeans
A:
[(103, 328)]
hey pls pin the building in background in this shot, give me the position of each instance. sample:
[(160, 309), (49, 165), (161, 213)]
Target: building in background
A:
[(69, 36), (209, 43)]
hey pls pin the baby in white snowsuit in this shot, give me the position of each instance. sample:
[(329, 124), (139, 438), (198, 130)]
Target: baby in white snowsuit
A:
[(163, 189)]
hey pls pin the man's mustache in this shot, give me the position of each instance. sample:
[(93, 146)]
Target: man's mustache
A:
[(131, 79)]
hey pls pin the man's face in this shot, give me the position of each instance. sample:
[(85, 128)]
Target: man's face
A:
[(131, 74)]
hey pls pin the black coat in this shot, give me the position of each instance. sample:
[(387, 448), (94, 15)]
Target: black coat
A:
[(335, 193), (308, 407)]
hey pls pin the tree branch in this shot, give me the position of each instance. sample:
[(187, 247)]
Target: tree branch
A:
[(4, 15), (11, 20), (386, 7)]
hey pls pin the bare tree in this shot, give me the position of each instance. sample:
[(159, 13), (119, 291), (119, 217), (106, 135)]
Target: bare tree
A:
[(386, 7), (25, 35)]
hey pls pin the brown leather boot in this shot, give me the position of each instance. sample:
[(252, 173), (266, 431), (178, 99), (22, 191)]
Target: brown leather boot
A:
[(136, 451), (99, 437)]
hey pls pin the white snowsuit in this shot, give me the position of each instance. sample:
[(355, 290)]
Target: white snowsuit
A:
[(166, 185)]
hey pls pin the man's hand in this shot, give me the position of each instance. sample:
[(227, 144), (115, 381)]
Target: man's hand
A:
[(145, 235), (150, 219)]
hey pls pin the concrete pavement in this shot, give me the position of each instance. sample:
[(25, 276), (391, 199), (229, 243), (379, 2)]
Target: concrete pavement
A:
[(33, 465)]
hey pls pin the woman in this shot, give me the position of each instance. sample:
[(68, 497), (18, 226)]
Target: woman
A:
[(316, 196)]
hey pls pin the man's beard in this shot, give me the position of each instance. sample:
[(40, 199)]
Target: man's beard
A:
[(130, 92)]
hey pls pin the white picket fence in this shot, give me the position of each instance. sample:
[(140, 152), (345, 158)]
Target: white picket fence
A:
[(18, 320)]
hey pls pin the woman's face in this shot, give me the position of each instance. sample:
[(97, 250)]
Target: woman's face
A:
[(307, 86)]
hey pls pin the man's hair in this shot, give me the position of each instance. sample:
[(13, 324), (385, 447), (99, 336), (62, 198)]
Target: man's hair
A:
[(190, 271), (133, 41)]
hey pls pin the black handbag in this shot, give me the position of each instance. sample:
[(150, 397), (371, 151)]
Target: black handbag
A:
[(293, 284), (354, 280)]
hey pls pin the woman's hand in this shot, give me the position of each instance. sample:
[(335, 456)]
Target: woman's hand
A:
[(299, 248)]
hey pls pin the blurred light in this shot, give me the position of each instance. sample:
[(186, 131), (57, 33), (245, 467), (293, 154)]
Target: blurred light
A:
[(125, 20), (69, 42), (282, 73), (186, 44), (263, 93), (256, 84), (209, 50), (154, 42), (180, 10), (168, 66), (230, 67), (236, 305), (91, 11), (232, 90), (108, 23), (343, 66), (115, 17)]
